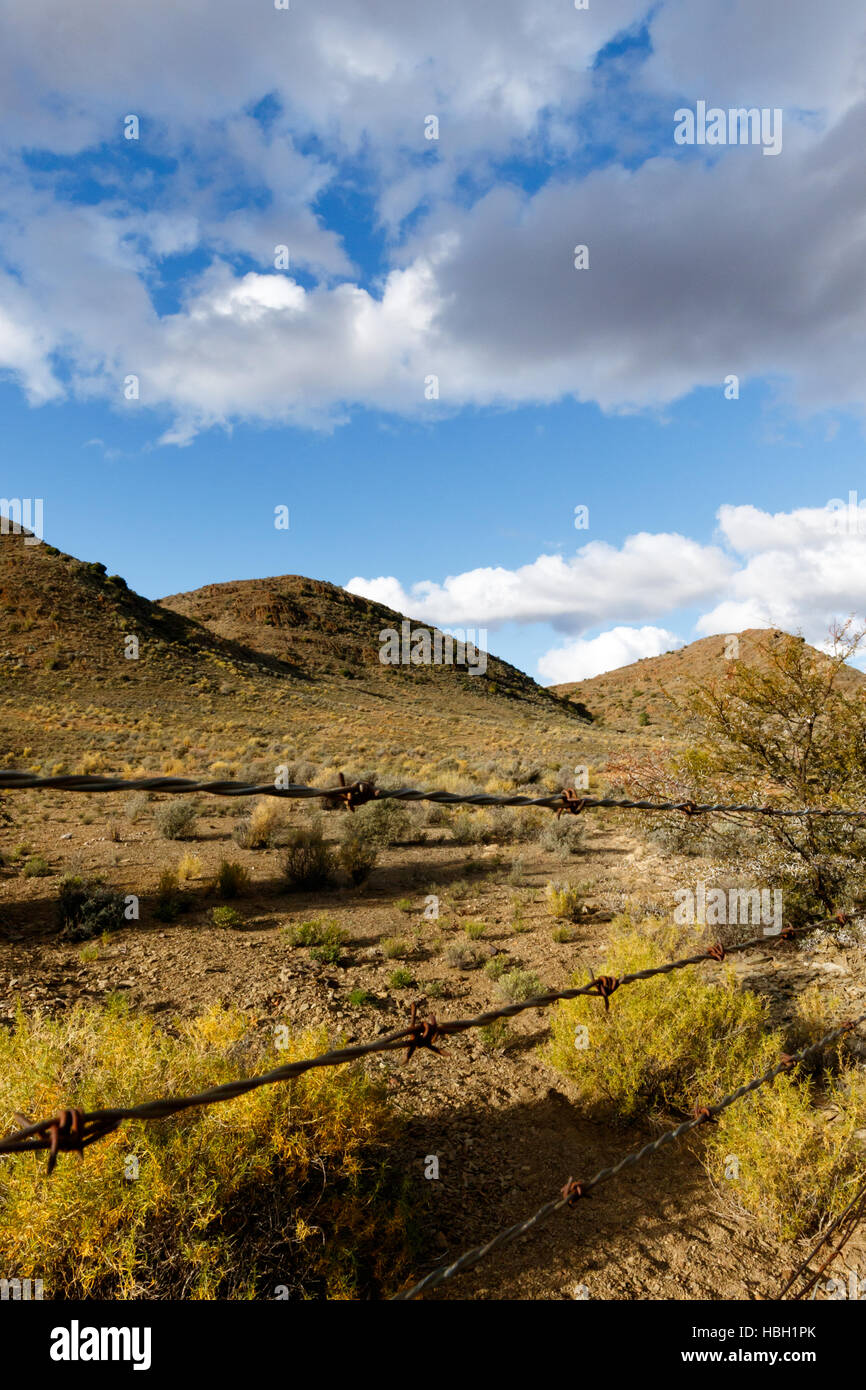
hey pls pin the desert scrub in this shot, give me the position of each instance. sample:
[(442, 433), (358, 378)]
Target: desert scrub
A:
[(358, 852), (175, 820), (385, 822), (401, 978), (319, 931), (288, 1185), (171, 900), (394, 948), (776, 1135), (135, 806), (226, 917), (564, 900), (189, 867), (516, 986), (259, 829), (86, 909), (474, 930), (496, 967), (664, 1040), (309, 862), (36, 866), (516, 873), (232, 879), (461, 957), (468, 829), (562, 837), (496, 1036)]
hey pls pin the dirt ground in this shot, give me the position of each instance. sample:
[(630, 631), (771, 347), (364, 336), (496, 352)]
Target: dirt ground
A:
[(502, 1124)]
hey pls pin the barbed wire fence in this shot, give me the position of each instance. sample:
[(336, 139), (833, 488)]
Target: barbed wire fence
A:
[(73, 1130), (358, 793)]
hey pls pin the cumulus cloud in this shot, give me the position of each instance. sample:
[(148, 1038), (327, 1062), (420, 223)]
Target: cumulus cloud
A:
[(585, 657), (647, 574), (696, 263), (800, 570)]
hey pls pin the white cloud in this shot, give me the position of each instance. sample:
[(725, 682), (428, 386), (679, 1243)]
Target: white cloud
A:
[(801, 571), (646, 574), (585, 657), (748, 265)]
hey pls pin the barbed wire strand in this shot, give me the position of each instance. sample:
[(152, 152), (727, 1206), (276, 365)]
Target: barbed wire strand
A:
[(74, 1129), (851, 1218), (357, 793), (574, 1190)]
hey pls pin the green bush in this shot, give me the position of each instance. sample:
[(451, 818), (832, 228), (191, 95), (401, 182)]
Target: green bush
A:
[(519, 985), (386, 823), (358, 852), (320, 931), (171, 900), (564, 900), (393, 948), (466, 957), (468, 829), (36, 866), (777, 1135), (562, 837), (232, 879), (226, 917)]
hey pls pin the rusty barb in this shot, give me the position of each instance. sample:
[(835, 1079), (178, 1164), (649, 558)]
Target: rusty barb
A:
[(351, 795), (73, 1130), (424, 1034), (69, 1132), (604, 986)]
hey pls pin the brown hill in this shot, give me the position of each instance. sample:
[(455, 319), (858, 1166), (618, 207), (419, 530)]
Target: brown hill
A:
[(238, 678), (63, 614), (620, 697), (321, 631)]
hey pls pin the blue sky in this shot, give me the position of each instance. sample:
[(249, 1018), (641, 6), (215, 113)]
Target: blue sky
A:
[(453, 257)]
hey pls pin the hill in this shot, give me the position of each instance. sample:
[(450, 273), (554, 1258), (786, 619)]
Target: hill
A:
[(618, 698), (320, 630), (237, 678)]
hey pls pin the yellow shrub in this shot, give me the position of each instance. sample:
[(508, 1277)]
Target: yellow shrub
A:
[(672, 1041), (790, 1164), (220, 1190)]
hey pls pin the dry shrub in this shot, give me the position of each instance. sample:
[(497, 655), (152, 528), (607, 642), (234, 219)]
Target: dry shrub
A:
[(259, 829), (309, 862)]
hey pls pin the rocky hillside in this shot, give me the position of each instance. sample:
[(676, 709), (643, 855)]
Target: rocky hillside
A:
[(619, 698)]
